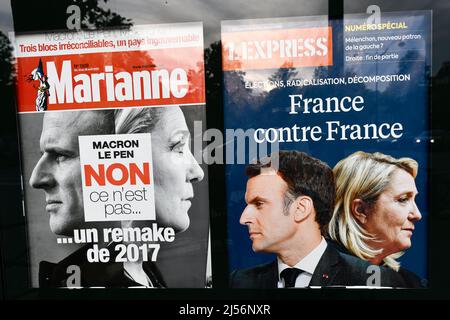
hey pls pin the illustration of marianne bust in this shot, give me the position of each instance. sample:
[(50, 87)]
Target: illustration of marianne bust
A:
[(42, 89)]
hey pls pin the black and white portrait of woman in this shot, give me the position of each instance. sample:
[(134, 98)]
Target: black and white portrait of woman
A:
[(175, 169)]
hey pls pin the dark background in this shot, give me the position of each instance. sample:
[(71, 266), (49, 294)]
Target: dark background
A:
[(51, 14)]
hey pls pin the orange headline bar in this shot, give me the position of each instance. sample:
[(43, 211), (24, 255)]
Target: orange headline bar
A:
[(271, 49)]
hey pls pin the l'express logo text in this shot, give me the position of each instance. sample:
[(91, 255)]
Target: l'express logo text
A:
[(280, 48), (268, 49)]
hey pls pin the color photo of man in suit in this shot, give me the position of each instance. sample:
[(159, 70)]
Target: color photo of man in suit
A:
[(289, 204)]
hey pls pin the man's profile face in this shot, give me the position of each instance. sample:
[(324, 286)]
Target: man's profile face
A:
[(269, 224), (58, 170)]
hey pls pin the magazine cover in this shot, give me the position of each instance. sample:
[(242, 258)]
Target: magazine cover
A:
[(113, 195), (345, 95)]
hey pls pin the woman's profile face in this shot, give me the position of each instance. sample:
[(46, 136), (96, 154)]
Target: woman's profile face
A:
[(392, 218), (175, 169)]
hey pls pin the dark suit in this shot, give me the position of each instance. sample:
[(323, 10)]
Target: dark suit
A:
[(334, 269), (110, 274), (410, 279)]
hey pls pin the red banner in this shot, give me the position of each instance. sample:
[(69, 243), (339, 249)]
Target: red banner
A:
[(114, 79)]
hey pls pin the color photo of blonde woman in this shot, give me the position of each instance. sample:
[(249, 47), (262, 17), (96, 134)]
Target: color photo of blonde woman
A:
[(375, 209)]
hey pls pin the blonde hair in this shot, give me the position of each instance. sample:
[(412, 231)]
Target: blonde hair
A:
[(363, 176), (136, 120)]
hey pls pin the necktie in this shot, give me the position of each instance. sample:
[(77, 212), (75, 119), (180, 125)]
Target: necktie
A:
[(290, 275)]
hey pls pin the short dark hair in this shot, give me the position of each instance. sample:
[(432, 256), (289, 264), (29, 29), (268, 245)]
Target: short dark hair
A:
[(304, 175)]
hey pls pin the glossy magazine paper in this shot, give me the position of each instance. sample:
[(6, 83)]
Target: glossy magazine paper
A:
[(113, 196), (328, 88)]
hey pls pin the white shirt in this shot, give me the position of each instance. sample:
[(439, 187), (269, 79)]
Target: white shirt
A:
[(308, 264)]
